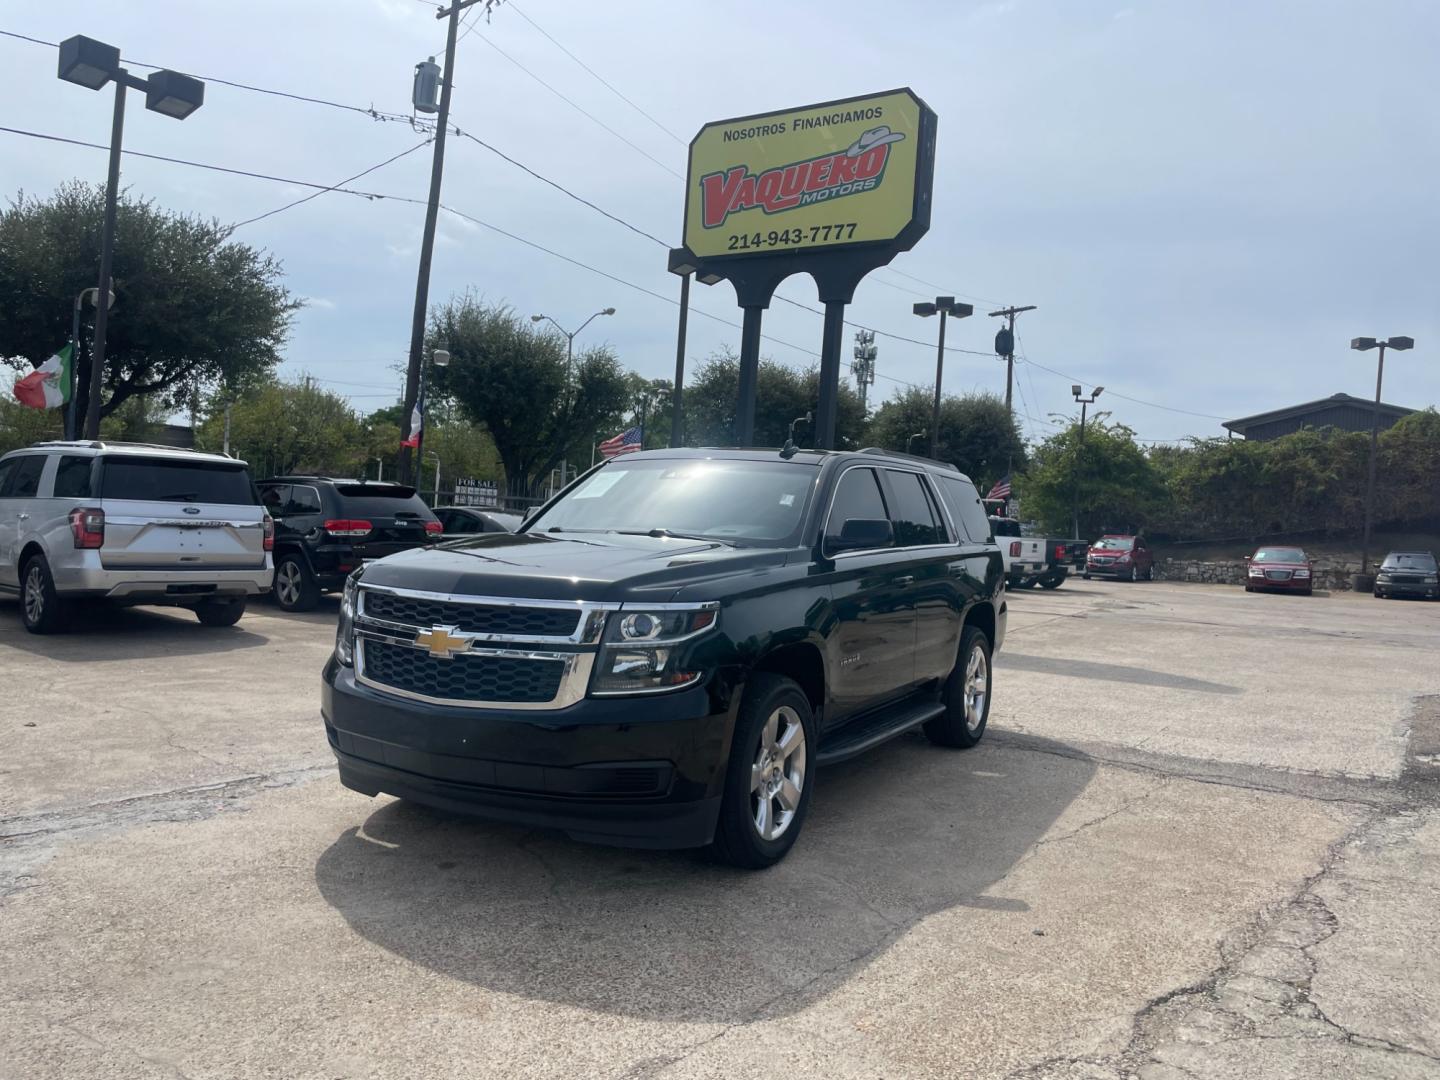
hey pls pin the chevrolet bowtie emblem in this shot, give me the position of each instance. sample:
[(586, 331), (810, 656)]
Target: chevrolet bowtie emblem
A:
[(443, 641)]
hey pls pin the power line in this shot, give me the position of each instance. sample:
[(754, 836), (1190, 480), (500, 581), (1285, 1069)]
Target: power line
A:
[(1124, 397), (942, 288), (590, 116), (561, 188), (333, 187), (598, 77)]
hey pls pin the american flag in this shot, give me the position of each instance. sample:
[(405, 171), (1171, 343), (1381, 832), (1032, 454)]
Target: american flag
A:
[(627, 442), (1001, 490)]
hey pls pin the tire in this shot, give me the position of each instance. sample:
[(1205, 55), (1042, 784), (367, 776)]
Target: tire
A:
[(41, 609), (967, 701), (770, 759), (220, 612), (294, 588), (1249, 588), (1052, 582), (1132, 577), (1150, 572), (1085, 576)]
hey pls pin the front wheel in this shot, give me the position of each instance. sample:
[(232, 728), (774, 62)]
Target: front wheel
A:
[(768, 784), (966, 695), (1085, 576), (41, 608), (220, 612), (1150, 573), (1052, 582)]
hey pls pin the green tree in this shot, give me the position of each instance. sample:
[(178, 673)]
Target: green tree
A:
[(21, 425), (510, 378), (1118, 488), (977, 435), (193, 309), (781, 395), (289, 427)]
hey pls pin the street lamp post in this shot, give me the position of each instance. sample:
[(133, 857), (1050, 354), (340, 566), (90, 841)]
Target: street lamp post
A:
[(433, 454), (944, 305), (91, 64), (1364, 344), (1079, 452), (910, 441), (71, 420), (570, 336)]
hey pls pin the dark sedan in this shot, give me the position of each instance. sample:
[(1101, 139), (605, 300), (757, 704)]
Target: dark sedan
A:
[(469, 520), (1408, 573), (1282, 569)]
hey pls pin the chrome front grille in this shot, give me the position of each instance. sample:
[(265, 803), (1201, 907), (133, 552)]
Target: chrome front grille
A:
[(479, 678), (1277, 575), (476, 651), (508, 620)]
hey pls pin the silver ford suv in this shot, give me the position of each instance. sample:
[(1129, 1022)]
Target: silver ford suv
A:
[(129, 523)]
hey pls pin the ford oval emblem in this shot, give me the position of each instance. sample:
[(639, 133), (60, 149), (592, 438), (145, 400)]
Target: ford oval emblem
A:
[(192, 509)]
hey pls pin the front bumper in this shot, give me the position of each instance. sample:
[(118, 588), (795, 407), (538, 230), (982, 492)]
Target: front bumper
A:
[(1114, 570), (1407, 588), (641, 772), (1286, 585)]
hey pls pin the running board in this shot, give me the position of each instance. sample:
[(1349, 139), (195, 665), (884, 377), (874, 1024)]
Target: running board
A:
[(851, 743)]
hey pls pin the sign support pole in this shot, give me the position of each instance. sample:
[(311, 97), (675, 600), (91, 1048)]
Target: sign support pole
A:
[(749, 375), (829, 374)]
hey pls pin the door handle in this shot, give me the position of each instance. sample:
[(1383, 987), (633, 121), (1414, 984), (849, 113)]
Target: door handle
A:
[(24, 517), (907, 579)]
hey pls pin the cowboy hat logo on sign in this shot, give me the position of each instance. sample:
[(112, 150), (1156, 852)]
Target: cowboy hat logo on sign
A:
[(859, 167)]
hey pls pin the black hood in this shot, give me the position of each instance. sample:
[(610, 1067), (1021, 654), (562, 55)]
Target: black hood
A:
[(602, 566)]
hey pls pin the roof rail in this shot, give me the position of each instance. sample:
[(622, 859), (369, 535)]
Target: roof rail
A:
[(881, 451)]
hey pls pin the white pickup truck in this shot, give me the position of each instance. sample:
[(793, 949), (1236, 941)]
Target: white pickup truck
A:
[(1031, 560)]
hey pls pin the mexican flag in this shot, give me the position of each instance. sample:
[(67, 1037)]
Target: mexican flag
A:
[(48, 386)]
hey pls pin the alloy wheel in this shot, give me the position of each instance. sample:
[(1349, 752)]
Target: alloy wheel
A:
[(287, 583), (777, 776), (34, 594), (977, 679)]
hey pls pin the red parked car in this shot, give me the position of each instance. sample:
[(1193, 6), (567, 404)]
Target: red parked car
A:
[(1286, 569), (1125, 557)]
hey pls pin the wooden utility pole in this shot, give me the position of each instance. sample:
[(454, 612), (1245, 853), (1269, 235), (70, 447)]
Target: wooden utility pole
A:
[(1005, 346)]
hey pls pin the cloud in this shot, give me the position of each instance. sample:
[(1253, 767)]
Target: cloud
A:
[(319, 302)]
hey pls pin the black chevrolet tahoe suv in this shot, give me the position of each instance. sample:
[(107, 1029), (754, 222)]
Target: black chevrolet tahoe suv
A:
[(325, 528), (665, 652)]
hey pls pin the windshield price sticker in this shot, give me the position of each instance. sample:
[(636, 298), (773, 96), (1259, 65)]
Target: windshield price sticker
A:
[(600, 483)]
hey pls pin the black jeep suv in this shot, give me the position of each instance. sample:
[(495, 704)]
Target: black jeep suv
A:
[(664, 653), (325, 528)]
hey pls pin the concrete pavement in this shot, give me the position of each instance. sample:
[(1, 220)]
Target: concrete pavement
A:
[(1164, 861)]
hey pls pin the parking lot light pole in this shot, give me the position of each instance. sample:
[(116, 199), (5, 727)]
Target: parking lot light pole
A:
[(1364, 344), (1079, 453), (943, 305), (91, 64), (570, 336)]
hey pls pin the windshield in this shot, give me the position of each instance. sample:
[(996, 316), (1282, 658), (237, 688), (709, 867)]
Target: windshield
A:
[(745, 500), (1410, 561), (1279, 555), (1115, 543)]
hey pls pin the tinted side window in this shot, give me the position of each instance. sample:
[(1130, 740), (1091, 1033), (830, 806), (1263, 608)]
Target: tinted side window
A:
[(72, 478), (273, 498), (913, 515), (965, 507), (6, 469), (25, 481), (303, 500), (857, 496)]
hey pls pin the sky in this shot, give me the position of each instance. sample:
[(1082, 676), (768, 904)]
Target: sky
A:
[(1205, 202)]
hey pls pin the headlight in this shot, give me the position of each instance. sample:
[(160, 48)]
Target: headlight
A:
[(345, 629), (1302, 573), (1382, 576), (1432, 579), (1257, 571), (644, 649)]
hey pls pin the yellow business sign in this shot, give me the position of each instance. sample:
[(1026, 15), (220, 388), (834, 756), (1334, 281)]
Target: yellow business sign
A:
[(821, 176)]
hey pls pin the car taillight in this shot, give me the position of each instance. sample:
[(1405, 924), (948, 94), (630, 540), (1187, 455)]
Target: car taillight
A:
[(88, 528), (346, 527), (1060, 552), (434, 528), (269, 534), (1014, 549)]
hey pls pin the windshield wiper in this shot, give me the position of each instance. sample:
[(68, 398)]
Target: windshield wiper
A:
[(668, 534)]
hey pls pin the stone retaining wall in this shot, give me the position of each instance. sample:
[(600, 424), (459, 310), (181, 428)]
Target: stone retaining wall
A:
[(1331, 574)]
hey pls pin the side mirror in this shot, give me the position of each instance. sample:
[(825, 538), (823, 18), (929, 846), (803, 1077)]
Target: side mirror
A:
[(862, 534)]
